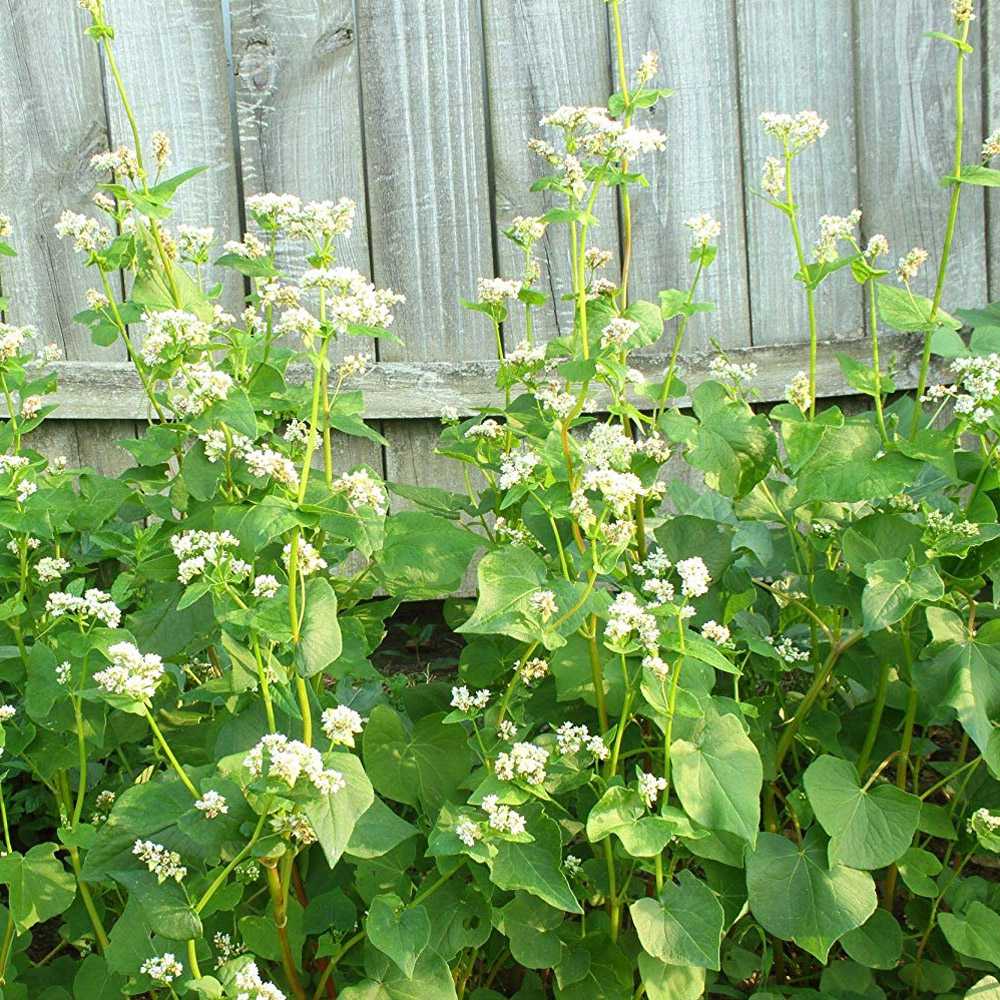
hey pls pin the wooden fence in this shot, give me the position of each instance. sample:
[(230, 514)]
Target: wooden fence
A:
[(420, 110)]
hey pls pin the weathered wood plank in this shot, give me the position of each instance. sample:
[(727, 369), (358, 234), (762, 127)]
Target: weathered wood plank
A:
[(52, 120), (403, 391), (906, 135), (428, 186), (541, 54), (300, 131), (172, 58), (990, 49), (701, 170), (795, 56)]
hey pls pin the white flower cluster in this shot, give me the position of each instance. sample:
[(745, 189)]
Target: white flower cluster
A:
[(287, 759), (363, 490), (525, 761), (940, 524), (198, 551), (351, 299), (601, 136), (502, 818), (788, 651), (608, 446), (252, 987), (309, 559), (315, 220), (991, 146), (773, 177), (650, 786), (94, 604), (7, 712), (963, 11), (171, 333), (102, 807), (694, 575), (163, 863), (571, 739), (517, 466), (618, 332), (198, 386), (730, 373), (526, 355), (265, 585), (714, 632), (50, 568), (132, 674), (878, 246), (533, 670), (341, 725), (294, 825), (619, 490), (627, 616), (12, 339), (909, 266), (262, 460), (212, 804), (226, 947), (466, 701), (488, 429), (87, 234), (162, 968), (194, 242), (795, 132), (353, 366), (834, 229), (979, 380), (543, 603), (704, 228), (468, 831), (797, 392), (495, 291)]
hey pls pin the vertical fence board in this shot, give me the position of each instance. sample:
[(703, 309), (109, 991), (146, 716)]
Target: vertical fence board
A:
[(906, 133), (795, 56), (700, 170), (173, 61), (539, 56), (300, 132), (429, 206), (989, 47)]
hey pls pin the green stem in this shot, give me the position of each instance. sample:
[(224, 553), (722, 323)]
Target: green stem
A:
[(174, 762), (81, 744), (874, 724), (278, 902), (672, 708), (876, 366), (8, 940), (192, 954), (949, 233), (597, 675), (88, 900)]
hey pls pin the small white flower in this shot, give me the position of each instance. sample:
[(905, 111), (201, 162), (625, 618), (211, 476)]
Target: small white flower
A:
[(773, 177), (525, 761), (543, 603), (50, 568), (497, 290), (341, 725), (132, 674), (265, 585), (797, 392), (704, 229), (7, 712), (212, 804), (533, 670), (650, 786), (468, 832), (502, 818), (252, 987), (163, 863), (909, 266), (795, 132), (714, 632), (694, 575), (287, 759), (163, 968), (309, 560), (465, 701)]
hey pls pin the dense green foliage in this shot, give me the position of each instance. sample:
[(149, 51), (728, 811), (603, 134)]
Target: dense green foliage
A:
[(730, 741)]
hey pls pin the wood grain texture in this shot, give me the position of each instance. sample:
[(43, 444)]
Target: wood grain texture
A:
[(299, 122), (990, 53), (172, 58), (795, 56), (701, 170), (541, 54), (906, 102), (414, 391), (425, 140), (52, 120), (428, 186)]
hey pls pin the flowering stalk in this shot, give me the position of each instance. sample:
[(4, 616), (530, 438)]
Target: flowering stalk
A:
[(949, 233)]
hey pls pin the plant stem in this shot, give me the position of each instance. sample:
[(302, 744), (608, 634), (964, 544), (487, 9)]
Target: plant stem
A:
[(597, 675), (874, 724), (876, 367), (174, 762), (675, 680), (279, 903), (192, 954), (949, 233)]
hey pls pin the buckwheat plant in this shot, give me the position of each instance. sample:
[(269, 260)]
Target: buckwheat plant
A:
[(732, 739)]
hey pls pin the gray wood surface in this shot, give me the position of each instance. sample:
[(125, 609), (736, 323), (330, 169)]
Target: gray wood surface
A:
[(701, 170), (539, 56), (906, 146), (796, 56), (411, 392), (421, 111)]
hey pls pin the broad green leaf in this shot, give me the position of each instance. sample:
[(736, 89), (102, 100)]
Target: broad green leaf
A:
[(424, 556), (38, 885), (165, 905), (918, 868), (797, 896), (877, 943), (988, 988), (507, 578), (909, 313), (894, 589), (535, 867), (402, 932), (431, 980), (530, 926), (378, 831), (622, 812), (422, 765), (334, 816), (670, 982), (595, 967), (682, 927), (969, 673), (975, 933), (320, 642), (94, 980), (868, 829), (718, 776)]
